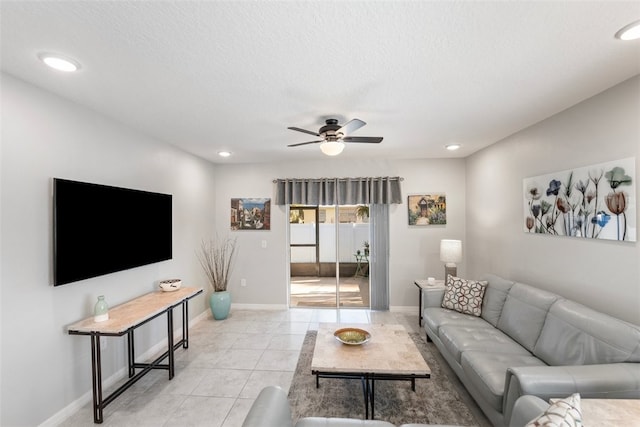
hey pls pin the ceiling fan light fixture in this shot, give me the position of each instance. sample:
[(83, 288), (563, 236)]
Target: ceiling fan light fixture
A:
[(332, 148), (629, 32)]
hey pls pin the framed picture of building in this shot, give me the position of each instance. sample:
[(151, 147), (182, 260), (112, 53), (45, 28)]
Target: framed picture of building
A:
[(250, 214), (427, 209)]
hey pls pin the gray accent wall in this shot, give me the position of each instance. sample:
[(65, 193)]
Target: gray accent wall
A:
[(604, 275)]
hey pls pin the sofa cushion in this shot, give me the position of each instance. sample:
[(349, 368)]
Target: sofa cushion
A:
[(458, 339), (494, 297), (577, 335), (464, 295), (435, 317), (524, 312), (487, 372)]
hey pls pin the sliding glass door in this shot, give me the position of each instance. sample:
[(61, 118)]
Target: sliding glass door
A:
[(329, 256)]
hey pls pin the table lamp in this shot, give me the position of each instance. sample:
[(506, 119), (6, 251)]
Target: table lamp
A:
[(450, 254)]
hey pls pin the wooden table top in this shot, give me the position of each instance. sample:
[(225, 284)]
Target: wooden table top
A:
[(424, 284), (389, 351), (131, 313)]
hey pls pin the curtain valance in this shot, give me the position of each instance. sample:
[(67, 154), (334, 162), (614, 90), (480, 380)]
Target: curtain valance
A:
[(338, 191)]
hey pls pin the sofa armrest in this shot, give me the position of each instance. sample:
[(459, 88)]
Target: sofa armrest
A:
[(432, 297), (604, 381), (526, 409), (270, 409)]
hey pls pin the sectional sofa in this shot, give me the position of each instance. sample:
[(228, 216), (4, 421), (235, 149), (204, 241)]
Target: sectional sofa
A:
[(526, 341)]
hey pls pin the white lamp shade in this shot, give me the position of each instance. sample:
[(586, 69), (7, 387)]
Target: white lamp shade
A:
[(450, 251), (332, 148)]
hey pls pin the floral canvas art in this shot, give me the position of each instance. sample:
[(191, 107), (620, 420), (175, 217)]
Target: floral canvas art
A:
[(427, 209), (593, 202)]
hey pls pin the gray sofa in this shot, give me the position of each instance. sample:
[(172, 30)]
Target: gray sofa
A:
[(528, 341), (271, 409)]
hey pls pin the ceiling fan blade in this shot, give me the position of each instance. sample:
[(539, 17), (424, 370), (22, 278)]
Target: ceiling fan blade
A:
[(365, 139), (304, 131), (351, 126), (303, 143)]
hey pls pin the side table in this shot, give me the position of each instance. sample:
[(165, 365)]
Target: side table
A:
[(424, 284), (362, 265), (610, 412)]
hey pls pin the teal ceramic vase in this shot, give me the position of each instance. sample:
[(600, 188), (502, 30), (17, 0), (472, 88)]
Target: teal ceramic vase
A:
[(220, 303)]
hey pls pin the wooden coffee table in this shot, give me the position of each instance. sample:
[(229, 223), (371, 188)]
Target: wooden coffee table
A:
[(390, 354)]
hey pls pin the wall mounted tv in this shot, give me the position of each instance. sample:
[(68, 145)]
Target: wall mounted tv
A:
[(98, 229)]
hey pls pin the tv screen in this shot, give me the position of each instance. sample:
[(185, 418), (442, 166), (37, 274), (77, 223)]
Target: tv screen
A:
[(98, 229)]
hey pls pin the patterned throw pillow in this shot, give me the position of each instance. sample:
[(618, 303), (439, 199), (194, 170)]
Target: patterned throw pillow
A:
[(463, 295), (562, 413)]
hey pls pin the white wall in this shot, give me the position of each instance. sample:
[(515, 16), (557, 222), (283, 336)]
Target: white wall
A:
[(414, 251), (602, 274), (43, 368)]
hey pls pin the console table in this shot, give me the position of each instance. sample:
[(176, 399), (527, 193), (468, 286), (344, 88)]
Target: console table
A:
[(124, 319)]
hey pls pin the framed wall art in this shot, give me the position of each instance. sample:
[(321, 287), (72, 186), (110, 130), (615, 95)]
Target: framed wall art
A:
[(592, 202), (251, 214), (427, 209)]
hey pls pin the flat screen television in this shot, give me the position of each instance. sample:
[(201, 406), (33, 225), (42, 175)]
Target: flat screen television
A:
[(99, 229)]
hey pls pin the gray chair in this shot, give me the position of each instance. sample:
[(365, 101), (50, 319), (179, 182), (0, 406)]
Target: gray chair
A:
[(271, 409)]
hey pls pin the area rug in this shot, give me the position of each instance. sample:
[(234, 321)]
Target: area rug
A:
[(435, 400)]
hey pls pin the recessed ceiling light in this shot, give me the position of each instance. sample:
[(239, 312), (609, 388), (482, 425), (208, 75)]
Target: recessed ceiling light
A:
[(453, 147), (59, 62), (629, 32), (224, 153)]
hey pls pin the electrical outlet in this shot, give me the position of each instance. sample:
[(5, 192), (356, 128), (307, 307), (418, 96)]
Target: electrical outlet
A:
[(264, 244), (243, 282), (103, 343)]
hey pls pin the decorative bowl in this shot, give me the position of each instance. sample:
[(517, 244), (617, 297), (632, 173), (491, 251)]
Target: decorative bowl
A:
[(170, 285), (352, 336)]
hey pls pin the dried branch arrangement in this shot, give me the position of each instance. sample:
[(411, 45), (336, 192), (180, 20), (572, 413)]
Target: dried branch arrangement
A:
[(216, 257)]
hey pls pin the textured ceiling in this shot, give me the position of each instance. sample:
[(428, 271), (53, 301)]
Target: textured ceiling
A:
[(207, 76)]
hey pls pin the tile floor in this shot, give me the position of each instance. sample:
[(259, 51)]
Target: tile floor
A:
[(228, 362), (320, 292)]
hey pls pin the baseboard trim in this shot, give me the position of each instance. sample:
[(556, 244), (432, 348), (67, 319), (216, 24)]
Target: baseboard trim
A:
[(66, 412), (259, 306), (412, 309)]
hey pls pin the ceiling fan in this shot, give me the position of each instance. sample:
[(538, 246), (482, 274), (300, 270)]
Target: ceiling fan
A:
[(333, 136)]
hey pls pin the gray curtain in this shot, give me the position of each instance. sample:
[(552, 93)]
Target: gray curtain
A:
[(338, 191), (378, 193), (379, 257)]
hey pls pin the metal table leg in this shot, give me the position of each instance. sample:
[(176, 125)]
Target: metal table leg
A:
[(419, 306), (170, 348), (131, 354), (96, 378), (185, 324)]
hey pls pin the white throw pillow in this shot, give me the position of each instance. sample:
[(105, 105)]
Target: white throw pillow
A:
[(562, 413), (463, 295)]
